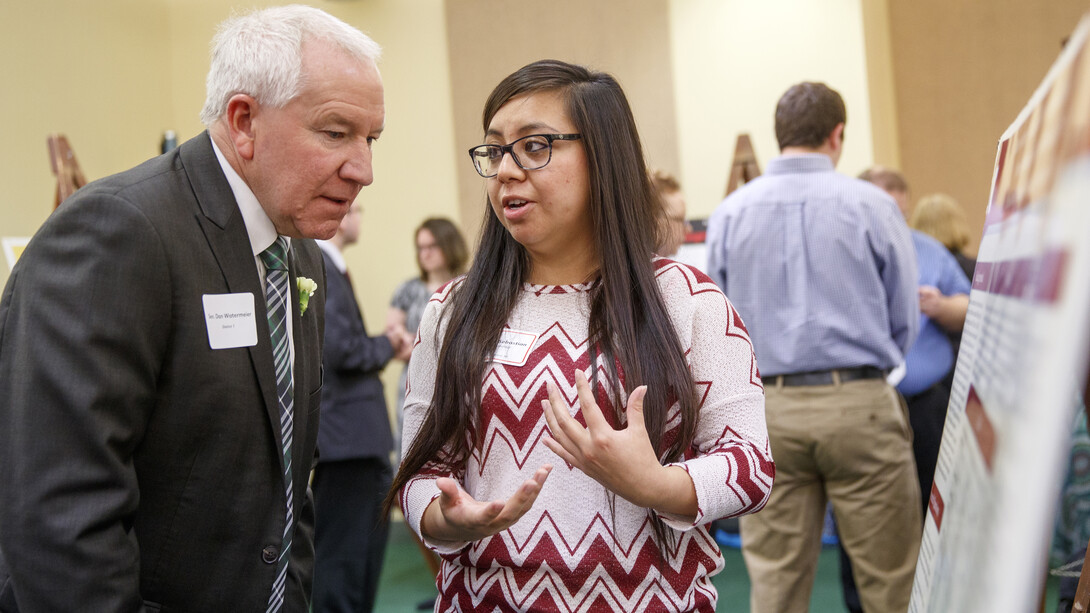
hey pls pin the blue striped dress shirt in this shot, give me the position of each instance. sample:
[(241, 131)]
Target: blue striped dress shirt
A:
[(819, 265)]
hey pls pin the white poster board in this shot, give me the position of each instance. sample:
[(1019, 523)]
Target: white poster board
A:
[(1023, 361)]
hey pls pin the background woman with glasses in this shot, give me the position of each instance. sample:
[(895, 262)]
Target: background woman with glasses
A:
[(441, 255), (578, 409)]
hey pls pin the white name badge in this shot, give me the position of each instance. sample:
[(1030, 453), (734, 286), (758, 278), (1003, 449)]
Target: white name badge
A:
[(514, 348), (231, 320)]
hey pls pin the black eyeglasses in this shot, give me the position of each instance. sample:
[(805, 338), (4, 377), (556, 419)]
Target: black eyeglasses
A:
[(529, 152)]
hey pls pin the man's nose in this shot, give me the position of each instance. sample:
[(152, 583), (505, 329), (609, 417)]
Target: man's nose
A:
[(357, 168)]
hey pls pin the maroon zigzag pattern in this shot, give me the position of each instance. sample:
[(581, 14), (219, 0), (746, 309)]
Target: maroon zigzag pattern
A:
[(539, 290), (567, 557), (574, 576), (511, 396), (700, 283), (752, 477)]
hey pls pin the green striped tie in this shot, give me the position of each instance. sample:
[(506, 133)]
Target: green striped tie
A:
[(277, 302)]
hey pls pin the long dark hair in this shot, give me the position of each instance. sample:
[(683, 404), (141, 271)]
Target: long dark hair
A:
[(628, 324)]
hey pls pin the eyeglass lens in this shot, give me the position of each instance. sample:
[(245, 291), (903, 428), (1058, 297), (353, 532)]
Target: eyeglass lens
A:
[(530, 153)]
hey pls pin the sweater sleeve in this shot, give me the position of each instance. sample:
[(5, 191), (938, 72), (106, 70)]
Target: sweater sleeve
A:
[(421, 490), (730, 461)]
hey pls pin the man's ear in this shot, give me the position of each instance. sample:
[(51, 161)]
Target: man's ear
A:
[(836, 137), (240, 124)]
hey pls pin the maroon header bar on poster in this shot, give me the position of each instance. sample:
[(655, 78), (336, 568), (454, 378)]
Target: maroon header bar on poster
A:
[(1039, 279)]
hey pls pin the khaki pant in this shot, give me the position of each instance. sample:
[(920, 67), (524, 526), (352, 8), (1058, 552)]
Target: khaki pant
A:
[(851, 444)]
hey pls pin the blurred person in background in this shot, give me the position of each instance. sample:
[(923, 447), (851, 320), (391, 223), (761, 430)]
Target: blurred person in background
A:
[(943, 218), (674, 224), (929, 364), (354, 441), (441, 255), (828, 322)]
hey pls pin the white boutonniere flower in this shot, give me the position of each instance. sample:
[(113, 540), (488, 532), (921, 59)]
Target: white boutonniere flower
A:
[(307, 287)]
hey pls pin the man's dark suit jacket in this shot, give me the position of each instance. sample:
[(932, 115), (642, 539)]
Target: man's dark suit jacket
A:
[(139, 468), (355, 423)]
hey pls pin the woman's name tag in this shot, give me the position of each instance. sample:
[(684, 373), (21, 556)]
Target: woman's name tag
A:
[(514, 347)]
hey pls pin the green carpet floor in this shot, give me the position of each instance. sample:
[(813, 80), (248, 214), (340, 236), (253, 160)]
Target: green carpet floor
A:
[(405, 580)]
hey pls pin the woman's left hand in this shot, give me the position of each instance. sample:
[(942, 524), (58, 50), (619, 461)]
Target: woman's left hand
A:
[(622, 460)]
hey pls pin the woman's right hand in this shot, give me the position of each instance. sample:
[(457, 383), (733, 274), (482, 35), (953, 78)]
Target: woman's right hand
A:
[(456, 516)]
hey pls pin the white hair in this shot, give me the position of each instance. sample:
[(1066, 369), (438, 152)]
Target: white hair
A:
[(261, 54)]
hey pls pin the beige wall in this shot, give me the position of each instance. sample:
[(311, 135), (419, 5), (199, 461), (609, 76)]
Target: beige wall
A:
[(962, 71), (119, 72), (490, 39), (929, 84), (733, 59), (94, 71)]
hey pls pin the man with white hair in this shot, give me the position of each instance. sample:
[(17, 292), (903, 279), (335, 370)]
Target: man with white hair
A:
[(160, 370)]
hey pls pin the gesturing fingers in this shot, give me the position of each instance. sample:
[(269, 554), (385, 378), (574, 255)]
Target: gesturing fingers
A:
[(466, 519), (634, 410), (568, 434), (557, 441), (524, 498), (556, 415), (560, 423), (591, 413), (511, 510), (620, 459), (460, 507)]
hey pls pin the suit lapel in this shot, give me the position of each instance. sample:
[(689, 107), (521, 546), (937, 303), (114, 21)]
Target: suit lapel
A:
[(299, 341), (303, 263), (225, 231)]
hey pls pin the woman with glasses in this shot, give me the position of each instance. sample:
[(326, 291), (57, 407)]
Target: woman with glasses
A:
[(578, 409)]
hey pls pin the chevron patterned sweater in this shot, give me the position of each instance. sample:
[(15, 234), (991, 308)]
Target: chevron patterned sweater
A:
[(569, 553)]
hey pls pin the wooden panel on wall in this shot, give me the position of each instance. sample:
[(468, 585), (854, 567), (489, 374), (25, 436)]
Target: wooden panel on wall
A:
[(489, 39), (883, 103), (962, 72)]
